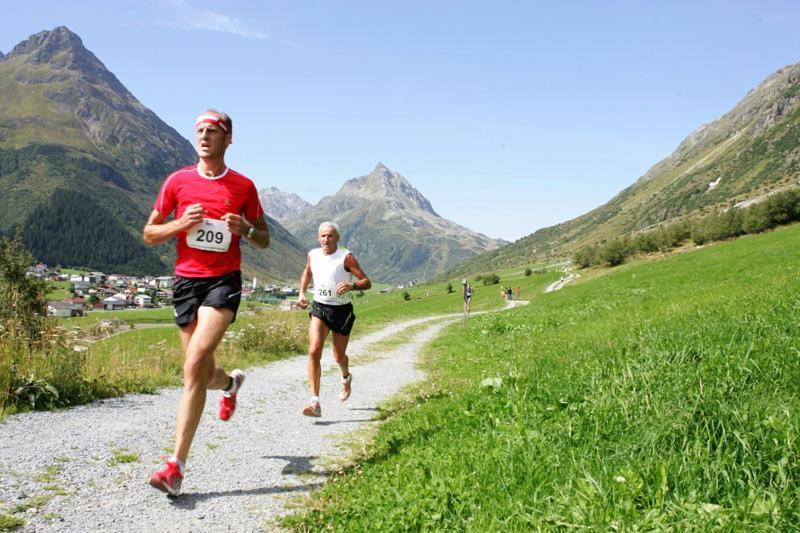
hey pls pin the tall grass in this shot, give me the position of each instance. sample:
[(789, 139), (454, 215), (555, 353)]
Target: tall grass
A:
[(62, 368), (144, 359), (38, 368), (662, 396)]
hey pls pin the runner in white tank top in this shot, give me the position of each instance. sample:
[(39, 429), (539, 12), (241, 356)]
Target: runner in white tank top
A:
[(332, 270), (328, 271)]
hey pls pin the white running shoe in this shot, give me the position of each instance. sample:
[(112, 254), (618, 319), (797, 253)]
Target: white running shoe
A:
[(347, 387), (313, 408)]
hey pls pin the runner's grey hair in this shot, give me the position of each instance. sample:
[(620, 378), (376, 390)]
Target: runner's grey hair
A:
[(330, 224)]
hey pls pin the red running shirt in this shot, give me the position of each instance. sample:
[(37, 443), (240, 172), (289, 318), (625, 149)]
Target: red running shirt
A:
[(229, 193)]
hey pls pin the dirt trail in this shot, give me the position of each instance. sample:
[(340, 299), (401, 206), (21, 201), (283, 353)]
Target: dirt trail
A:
[(240, 472), (86, 468)]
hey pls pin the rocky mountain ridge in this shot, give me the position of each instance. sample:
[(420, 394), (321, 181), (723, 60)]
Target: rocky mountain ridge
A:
[(392, 228), (280, 205)]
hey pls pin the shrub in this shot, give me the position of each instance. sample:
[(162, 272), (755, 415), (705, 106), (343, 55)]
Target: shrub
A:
[(614, 252), (646, 242), (449, 288), (528, 272), (491, 279), (586, 256), (406, 296), (757, 219)]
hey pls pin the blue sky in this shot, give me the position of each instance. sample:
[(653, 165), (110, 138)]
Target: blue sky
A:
[(507, 116)]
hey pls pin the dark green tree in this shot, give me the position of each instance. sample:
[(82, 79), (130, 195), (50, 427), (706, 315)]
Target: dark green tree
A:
[(22, 298)]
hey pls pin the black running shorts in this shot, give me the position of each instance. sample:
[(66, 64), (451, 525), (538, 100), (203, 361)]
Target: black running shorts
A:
[(219, 291), (339, 318)]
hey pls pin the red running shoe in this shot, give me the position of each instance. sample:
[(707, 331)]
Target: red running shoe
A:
[(168, 478), (227, 404)]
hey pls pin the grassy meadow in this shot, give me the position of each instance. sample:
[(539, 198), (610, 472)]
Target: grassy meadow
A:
[(84, 358), (662, 395), (375, 309)]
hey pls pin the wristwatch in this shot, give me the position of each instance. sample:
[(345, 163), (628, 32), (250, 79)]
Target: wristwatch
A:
[(251, 232)]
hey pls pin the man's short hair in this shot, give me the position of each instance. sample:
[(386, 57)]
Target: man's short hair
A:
[(329, 224)]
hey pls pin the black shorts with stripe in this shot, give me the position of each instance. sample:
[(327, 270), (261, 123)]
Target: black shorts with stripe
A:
[(188, 294), (339, 318)]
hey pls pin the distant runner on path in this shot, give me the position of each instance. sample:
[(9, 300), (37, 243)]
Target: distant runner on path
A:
[(467, 293), (332, 270), (214, 207)]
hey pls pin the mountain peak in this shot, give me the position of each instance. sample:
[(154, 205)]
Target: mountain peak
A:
[(64, 50), (380, 167), (44, 46), (385, 183), (392, 228)]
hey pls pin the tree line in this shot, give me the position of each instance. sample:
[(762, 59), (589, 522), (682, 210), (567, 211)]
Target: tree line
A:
[(71, 229), (780, 208)]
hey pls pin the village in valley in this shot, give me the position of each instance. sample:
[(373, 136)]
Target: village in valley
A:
[(97, 291)]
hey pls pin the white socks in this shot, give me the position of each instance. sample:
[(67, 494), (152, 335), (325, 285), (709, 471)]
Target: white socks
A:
[(173, 459)]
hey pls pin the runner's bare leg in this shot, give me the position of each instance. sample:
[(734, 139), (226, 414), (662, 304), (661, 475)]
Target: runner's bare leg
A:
[(340, 352), (200, 373), (317, 333)]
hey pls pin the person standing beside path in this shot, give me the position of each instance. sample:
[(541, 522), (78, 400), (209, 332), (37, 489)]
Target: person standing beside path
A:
[(332, 270), (214, 208)]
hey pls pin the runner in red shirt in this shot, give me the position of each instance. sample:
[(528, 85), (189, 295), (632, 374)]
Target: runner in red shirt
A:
[(214, 208)]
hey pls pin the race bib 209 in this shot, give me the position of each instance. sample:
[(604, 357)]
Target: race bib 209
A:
[(211, 235)]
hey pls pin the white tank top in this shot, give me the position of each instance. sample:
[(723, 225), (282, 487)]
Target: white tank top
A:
[(328, 271)]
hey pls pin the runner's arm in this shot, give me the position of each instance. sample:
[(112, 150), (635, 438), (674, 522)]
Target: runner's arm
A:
[(305, 279), (362, 282), (158, 230), (240, 226)]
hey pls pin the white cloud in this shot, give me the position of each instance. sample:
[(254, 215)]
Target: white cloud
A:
[(196, 18)]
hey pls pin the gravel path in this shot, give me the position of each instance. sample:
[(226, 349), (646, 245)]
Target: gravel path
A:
[(240, 473)]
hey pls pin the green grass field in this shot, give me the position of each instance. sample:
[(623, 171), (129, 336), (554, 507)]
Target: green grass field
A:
[(59, 290), (662, 395), (375, 309), (163, 315)]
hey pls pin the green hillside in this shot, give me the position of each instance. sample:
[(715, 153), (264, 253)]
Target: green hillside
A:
[(57, 231), (745, 155), (69, 127), (660, 395)]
